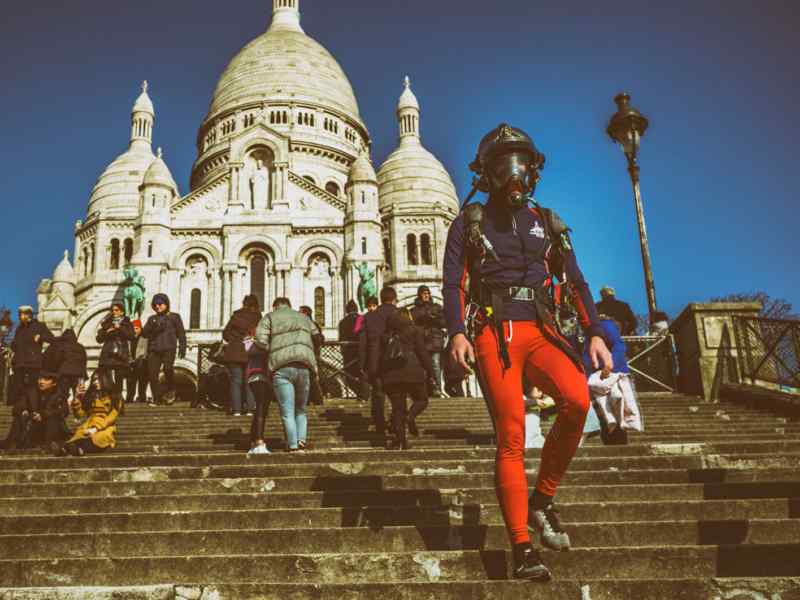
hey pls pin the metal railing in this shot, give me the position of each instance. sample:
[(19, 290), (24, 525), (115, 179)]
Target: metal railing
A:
[(767, 352), (651, 360)]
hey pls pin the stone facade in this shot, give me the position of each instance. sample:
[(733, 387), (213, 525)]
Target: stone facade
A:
[(283, 201)]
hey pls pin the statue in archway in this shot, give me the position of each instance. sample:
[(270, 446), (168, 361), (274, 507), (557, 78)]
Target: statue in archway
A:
[(133, 294), (259, 186), (368, 286)]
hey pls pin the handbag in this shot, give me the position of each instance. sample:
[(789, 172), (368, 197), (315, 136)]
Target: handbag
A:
[(117, 350), (217, 352)]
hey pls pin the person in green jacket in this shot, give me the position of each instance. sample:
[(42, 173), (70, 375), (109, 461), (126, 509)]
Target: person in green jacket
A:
[(287, 336)]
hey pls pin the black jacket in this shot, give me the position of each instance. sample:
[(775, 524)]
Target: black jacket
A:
[(115, 353), (371, 338), (72, 355), (51, 403), (165, 333), (27, 352), (620, 312), (242, 323), (417, 366), (430, 316)]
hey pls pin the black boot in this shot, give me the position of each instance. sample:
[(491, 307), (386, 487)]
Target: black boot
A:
[(528, 563)]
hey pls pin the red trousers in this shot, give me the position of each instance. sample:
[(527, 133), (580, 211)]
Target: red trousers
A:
[(548, 368)]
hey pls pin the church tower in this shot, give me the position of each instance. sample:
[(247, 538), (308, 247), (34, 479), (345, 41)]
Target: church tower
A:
[(362, 224)]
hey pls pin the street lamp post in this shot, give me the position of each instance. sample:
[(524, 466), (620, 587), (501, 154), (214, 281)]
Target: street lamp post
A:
[(626, 127), (5, 326)]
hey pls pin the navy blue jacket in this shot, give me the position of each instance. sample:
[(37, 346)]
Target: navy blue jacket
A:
[(615, 344), (518, 240)]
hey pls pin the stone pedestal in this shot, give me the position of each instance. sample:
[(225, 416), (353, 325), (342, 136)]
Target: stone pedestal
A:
[(703, 336)]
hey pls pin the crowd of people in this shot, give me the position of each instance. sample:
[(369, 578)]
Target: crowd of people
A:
[(389, 353)]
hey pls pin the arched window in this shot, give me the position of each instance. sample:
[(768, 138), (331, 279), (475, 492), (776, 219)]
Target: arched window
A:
[(411, 249), (332, 188), (309, 178), (363, 245), (150, 249), (258, 277), (128, 250), (387, 251), (319, 306), (195, 307), (114, 263), (91, 258), (425, 249), (363, 197)]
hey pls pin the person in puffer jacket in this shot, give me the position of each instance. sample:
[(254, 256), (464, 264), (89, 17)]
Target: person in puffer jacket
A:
[(165, 334), (287, 336)]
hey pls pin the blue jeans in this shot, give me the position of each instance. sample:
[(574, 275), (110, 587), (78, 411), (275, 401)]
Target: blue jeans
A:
[(291, 385), (436, 361), (237, 383)]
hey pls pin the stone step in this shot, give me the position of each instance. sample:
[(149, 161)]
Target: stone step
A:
[(381, 538), (608, 564), (561, 589), (14, 461), (151, 484), (97, 518), (393, 467), (462, 496)]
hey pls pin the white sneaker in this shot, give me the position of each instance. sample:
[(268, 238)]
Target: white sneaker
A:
[(236, 415), (260, 449)]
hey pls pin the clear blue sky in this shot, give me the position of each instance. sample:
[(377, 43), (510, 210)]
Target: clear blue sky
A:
[(717, 78)]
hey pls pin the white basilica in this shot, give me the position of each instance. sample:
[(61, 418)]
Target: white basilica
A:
[(283, 201)]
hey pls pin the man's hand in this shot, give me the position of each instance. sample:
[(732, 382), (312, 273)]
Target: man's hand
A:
[(36, 338), (462, 352), (600, 356), (37, 417)]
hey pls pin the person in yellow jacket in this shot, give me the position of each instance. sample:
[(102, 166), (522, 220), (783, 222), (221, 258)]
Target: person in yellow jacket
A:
[(100, 405)]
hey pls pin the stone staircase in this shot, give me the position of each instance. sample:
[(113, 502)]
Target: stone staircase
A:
[(704, 505)]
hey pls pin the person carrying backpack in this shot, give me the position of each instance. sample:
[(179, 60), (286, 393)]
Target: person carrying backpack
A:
[(406, 368)]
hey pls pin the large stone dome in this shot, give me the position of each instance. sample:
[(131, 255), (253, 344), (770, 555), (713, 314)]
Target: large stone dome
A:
[(284, 64)]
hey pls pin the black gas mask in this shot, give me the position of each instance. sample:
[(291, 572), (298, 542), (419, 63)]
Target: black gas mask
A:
[(507, 166), (512, 179)]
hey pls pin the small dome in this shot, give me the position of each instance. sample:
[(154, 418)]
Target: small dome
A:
[(64, 272), (412, 177), (159, 174), (407, 98), (362, 170), (117, 189), (143, 102)]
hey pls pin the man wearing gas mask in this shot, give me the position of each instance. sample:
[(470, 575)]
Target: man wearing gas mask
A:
[(506, 265)]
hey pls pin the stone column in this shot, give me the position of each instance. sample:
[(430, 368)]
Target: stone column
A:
[(235, 201), (703, 336), (337, 310)]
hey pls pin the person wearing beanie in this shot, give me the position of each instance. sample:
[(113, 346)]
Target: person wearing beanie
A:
[(137, 377), (27, 346), (115, 333), (430, 316), (238, 335), (165, 336)]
